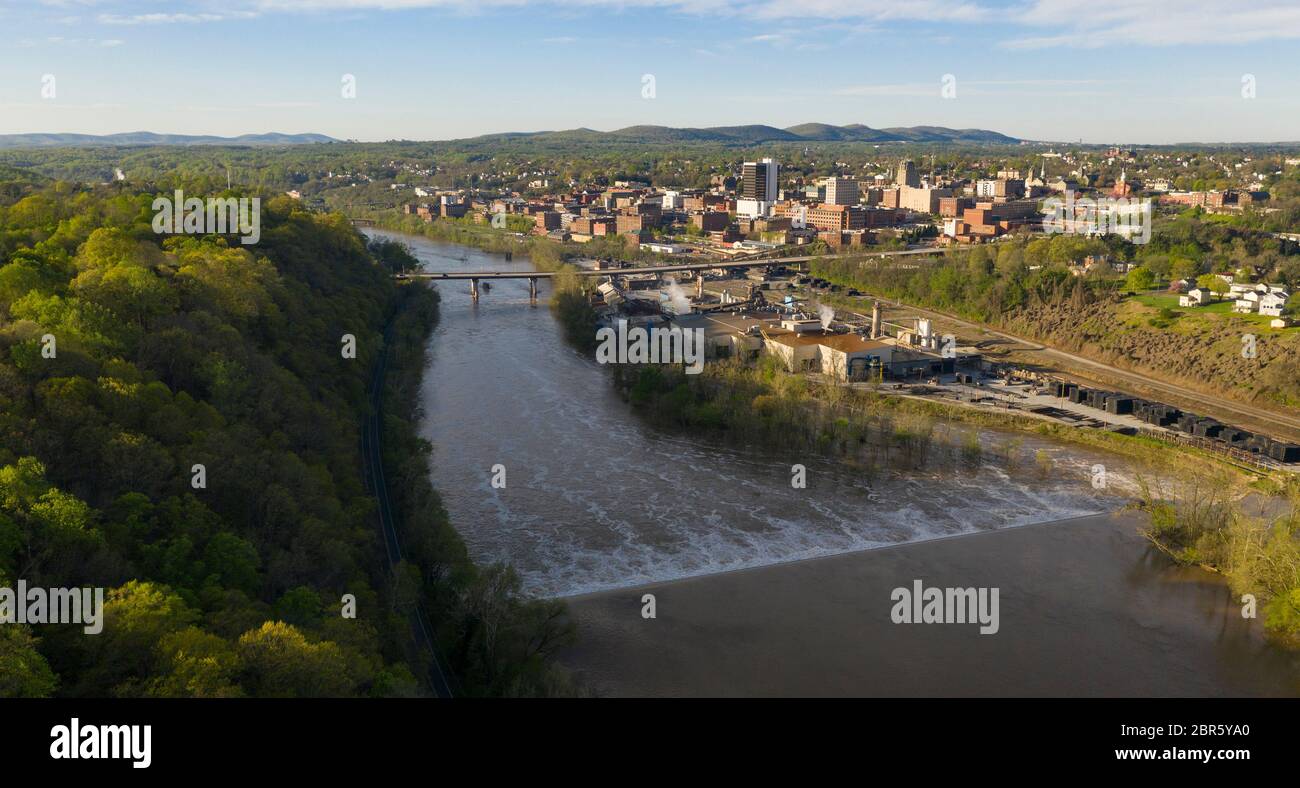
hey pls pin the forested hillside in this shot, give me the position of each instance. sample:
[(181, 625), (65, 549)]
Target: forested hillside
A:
[(176, 352)]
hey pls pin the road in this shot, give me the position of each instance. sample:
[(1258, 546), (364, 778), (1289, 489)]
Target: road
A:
[(373, 462), (1259, 419)]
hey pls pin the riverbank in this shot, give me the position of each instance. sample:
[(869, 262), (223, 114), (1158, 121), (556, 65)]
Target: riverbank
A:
[(1087, 609), (497, 640)]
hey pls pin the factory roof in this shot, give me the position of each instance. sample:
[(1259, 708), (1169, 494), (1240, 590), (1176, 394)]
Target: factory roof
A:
[(845, 343)]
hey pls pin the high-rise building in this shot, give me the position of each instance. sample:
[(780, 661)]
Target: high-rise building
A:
[(841, 191), (907, 174), (758, 180)]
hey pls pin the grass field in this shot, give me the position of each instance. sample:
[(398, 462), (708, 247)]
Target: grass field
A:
[(1214, 310)]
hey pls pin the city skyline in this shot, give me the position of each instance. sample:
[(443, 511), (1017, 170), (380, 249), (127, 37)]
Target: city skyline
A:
[(439, 69)]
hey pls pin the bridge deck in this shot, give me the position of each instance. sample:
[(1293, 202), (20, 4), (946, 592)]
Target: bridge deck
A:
[(654, 269)]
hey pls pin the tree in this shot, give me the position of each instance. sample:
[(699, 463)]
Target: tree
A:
[(231, 562), (195, 664), (137, 616), (980, 263), (24, 673), (279, 662), (1140, 279), (1214, 283), (1184, 268), (1292, 307), (133, 293)]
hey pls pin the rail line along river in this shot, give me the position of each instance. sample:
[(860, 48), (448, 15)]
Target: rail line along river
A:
[(598, 502)]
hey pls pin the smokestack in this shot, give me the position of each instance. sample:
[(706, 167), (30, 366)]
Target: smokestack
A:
[(875, 320)]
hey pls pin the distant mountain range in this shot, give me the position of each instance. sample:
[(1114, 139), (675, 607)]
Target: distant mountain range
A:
[(150, 138), (646, 135), (752, 135)]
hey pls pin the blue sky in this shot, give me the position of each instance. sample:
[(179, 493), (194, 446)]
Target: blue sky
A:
[(1143, 71)]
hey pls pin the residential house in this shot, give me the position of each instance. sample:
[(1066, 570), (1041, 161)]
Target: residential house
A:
[(1272, 304)]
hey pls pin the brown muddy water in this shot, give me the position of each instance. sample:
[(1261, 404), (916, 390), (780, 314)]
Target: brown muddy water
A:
[(1086, 609)]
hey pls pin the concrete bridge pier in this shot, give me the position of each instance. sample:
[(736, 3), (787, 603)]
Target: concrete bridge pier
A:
[(473, 289), (699, 284), (532, 289)]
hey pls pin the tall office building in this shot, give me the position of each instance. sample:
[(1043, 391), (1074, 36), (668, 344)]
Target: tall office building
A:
[(841, 191), (907, 174), (758, 180)]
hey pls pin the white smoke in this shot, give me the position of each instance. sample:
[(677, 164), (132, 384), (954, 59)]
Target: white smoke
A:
[(827, 314), (677, 297)]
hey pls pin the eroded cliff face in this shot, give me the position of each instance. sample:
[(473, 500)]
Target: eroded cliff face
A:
[(1201, 353)]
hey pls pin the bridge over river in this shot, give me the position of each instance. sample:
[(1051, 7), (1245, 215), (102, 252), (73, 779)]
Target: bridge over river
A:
[(475, 276)]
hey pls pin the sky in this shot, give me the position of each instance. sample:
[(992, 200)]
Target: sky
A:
[(1102, 71)]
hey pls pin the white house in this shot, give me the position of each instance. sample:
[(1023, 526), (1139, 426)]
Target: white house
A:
[(1243, 306), (1271, 304), (1197, 296)]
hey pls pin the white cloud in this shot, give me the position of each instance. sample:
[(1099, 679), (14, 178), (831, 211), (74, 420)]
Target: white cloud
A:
[(937, 10), (169, 19), (61, 41), (1102, 23)]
